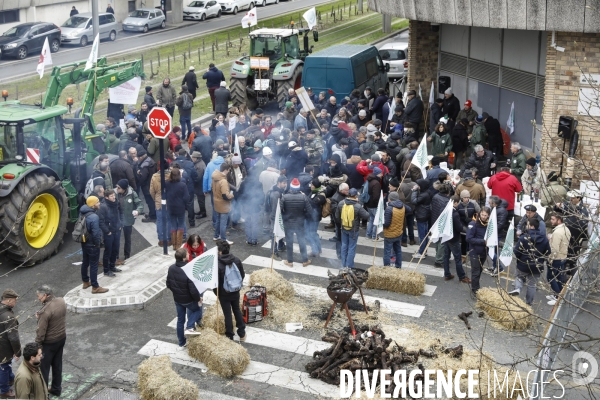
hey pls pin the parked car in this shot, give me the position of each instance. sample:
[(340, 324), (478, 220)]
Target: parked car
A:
[(23, 39), (144, 19), (263, 3), (396, 55), (78, 28), (200, 10), (233, 6)]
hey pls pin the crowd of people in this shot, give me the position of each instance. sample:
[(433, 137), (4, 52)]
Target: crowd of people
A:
[(336, 161)]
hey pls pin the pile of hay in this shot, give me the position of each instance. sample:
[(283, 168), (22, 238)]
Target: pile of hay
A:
[(276, 284), (209, 319), (396, 280), (158, 381), (509, 311), (220, 354)]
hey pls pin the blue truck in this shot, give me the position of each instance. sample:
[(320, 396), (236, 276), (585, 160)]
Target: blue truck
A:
[(340, 69)]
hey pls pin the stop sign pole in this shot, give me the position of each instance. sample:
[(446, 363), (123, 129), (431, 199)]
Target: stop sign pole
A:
[(159, 124)]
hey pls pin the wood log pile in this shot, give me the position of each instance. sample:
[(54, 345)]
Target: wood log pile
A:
[(369, 350)]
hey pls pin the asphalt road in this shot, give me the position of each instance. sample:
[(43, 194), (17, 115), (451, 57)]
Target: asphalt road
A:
[(12, 69)]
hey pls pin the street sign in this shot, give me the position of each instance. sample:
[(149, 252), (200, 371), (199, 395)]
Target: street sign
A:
[(159, 122)]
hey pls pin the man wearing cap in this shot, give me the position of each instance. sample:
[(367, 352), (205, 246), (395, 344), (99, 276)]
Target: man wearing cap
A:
[(101, 174), (90, 247), (144, 169), (131, 112), (435, 171), (10, 345), (264, 155), (482, 159), (468, 113), (166, 96), (131, 206), (559, 244), (476, 190), (348, 214), (289, 112), (413, 112), (530, 212), (532, 179), (295, 208), (129, 140), (451, 106), (200, 168), (478, 134), (213, 77), (185, 114), (460, 142), (149, 98), (518, 164), (222, 98), (360, 119), (190, 81), (296, 160)]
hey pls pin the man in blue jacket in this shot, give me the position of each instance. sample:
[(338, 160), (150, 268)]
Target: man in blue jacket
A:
[(213, 77), (212, 166), (531, 252), (90, 247)]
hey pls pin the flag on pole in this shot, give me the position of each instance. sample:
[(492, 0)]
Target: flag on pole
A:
[(278, 229), (204, 270), (392, 109), (403, 90), (420, 93), (379, 215), (420, 159), (442, 228), (510, 123), (250, 19), (45, 58), (506, 255), (93, 58), (236, 147), (431, 96), (310, 17), (491, 233)]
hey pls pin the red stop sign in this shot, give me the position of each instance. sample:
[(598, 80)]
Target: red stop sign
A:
[(159, 122)]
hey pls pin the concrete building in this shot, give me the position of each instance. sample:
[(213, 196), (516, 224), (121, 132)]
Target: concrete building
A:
[(14, 12), (538, 54)]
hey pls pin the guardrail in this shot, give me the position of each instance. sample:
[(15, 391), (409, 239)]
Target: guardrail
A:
[(570, 302)]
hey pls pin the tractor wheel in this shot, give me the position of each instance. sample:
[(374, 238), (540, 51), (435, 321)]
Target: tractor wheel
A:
[(239, 94), (283, 86), (33, 219)]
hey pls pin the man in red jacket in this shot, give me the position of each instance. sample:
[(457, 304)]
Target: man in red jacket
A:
[(366, 167), (505, 185)]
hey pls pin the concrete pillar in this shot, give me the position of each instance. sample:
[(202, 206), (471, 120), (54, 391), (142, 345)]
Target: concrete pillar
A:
[(177, 11), (359, 3), (387, 23)]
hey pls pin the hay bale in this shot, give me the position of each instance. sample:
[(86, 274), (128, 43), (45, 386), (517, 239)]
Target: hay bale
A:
[(209, 319), (509, 311), (275, 283), (220, 354), (396, 280), (158, 381)]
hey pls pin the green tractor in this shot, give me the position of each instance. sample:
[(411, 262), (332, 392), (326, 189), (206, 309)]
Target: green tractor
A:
[(46, 159), (256, 87)]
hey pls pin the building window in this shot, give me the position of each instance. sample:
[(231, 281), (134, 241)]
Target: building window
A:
[(9, 16)]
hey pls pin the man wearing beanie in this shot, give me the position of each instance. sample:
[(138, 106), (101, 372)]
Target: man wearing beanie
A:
[(295, 208), (149, 98), (185, 113), (296, 160), (348, 214), (532, 179), (131, 207), (451, 106), (90, 245)]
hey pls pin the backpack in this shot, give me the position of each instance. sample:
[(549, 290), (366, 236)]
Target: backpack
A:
[(80, 230), (364, 197), (268, 205), (186, 102), (254, 304), (326, 210), (347, 216), (232, 281)]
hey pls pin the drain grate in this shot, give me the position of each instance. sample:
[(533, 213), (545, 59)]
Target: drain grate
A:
[(114, 394)]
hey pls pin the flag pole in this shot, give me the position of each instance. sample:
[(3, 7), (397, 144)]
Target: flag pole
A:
[(421, 258), (413, 256), (375, 250), (217, 311)]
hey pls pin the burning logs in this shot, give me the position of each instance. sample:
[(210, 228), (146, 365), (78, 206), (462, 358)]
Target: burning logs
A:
[(369, 350)]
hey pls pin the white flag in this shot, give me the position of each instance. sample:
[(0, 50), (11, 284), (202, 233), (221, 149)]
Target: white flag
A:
[(310, 17), (379, 215), (404, 93), (204, 270), (236, 147), (431, 92), (45, 58), (420, 93), (506, 255), (420, 159), (442, 228), (250, 19), (392, 109), (93, 58), (278, 229), (491, 233), (510, 123)]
